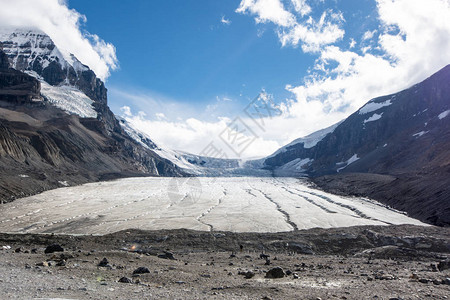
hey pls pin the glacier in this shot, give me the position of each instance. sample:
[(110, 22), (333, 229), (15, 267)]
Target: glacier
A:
[(238, 204)]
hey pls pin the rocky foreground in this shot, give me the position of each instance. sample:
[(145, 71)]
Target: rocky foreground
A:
[(369, 262)]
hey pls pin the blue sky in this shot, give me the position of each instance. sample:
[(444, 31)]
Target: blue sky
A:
[(182, 51), (183, 71)]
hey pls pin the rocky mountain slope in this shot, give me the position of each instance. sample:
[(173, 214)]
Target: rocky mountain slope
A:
[(403, 138), (56, 128)]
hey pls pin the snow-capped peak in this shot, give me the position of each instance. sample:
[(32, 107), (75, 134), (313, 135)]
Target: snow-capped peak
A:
[(29, 48), (62, 84)]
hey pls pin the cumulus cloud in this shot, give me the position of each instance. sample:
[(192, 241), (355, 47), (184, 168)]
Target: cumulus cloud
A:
[(267, 11), (63, 25), (294, 29)]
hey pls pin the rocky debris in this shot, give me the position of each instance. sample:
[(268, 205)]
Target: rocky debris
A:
[(141, 270), (167, 255), (276, 272), (125, 280), (53, 248), (7, 247)]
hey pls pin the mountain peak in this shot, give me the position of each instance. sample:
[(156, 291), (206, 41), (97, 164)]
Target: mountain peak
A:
[(32, 51)]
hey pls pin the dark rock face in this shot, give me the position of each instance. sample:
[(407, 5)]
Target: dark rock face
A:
[(407, 145), (16, 86)]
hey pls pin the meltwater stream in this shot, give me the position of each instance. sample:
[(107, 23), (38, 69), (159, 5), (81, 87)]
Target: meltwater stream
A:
[(239, 204)]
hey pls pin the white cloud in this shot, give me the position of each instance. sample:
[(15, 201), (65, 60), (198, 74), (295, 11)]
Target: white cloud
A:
[(368, 35), (225, 21), (301, 7), (314, 34), (267, 11), (63, 25), (311, 34)]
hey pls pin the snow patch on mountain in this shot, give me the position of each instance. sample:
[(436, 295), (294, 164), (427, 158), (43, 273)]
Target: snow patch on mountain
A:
[(419, 134), (295, 167), (69, 99), (373, 106), (308, 141), (348, 162), (444, 114), (375, 117)]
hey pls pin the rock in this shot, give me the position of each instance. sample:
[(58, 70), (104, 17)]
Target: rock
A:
[(18, 250), (424, 280), (295, 276), (141, 270), (34, 250), (276, 272), (167, 255), (267, 263), (249, 274), (288, 272), (103, 263), (444, 265), (264, 256), (42, 264), (61, 263), (54, 248), (446, 281)]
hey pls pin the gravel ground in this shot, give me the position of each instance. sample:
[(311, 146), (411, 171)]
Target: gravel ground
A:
[(343, 263)]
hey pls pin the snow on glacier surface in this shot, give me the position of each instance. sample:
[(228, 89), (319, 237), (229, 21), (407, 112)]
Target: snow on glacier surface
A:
[(69, 99), (239, 204), (373, 106)]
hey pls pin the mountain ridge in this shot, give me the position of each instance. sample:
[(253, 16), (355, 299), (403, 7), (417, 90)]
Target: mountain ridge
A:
[(399, 141)]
